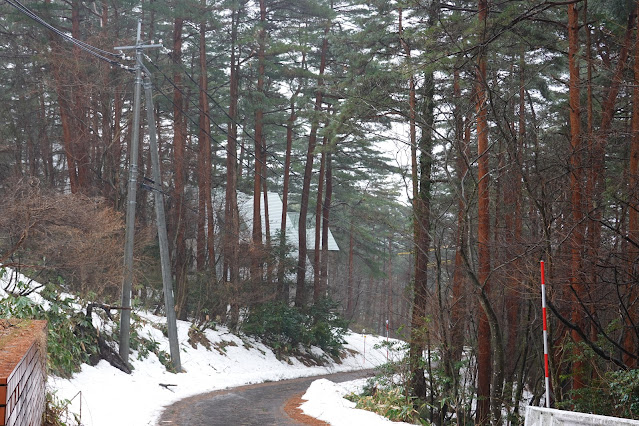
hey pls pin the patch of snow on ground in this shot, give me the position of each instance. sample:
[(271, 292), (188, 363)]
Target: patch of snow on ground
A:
[(325, 401)]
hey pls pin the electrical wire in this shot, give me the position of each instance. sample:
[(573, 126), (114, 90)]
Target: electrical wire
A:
[(102, 55), (95, 51)]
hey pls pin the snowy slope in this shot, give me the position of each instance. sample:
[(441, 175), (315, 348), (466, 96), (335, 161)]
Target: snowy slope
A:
[(103, 395), (107, 396)]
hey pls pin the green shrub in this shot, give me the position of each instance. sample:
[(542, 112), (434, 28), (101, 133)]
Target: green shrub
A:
[(624, 391), (56, 412), (284, 328), (616, 394)]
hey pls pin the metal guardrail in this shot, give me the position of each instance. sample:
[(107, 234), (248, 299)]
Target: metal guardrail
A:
[(539, 416)]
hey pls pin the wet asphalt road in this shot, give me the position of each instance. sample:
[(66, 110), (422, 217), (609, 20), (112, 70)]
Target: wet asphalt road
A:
[(261, 404)]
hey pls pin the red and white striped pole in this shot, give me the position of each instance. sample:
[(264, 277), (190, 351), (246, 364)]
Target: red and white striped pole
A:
[(543, 312)]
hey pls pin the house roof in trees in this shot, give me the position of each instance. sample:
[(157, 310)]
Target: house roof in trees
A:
[(245, 207), (310, 235)]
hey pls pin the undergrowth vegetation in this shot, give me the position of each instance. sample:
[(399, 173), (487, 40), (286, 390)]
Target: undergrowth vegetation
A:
[(388, 393), (72, 339), (615, 394), (67, 347), (56, 412), (286, 328)]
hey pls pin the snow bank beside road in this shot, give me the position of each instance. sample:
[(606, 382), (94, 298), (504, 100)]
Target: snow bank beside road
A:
[(106, 396), (103, 395), (325, 401)]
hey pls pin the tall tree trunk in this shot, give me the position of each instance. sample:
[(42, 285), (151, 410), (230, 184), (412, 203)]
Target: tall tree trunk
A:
[(79, 111), (260, 165), (459, 287), (205, 255), (317, 291), (62, 84), (178, 222), (204, 151), (420, 335), (596, 179), (350, 303), (576, 278), (231, 219), (282, 284), (629, 333), (484, 358), (513, 227), (326, 210), (300, 294), (267, 236), (47, 149), (418, 315)]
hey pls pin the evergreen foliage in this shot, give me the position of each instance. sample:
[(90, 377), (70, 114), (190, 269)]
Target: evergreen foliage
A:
[(286, 328), (561, 174)]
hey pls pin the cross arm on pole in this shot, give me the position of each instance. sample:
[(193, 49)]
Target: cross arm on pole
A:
[(141, 46)]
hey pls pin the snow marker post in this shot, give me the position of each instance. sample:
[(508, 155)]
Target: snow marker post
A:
[(543, 312), (387, 328), (364, 332)]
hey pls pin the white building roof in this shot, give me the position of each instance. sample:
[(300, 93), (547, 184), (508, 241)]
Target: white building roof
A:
[(245, 206)]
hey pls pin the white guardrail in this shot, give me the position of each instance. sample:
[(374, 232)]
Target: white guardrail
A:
[(539, 416)]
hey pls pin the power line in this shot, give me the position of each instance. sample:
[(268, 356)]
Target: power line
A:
[(95, 51), (102, 55)]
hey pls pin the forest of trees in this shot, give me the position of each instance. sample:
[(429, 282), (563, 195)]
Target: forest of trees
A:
[(521, 123)]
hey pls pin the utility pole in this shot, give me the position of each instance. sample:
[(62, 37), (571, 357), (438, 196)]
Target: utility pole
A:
[(125, 317), (167, 280), (125, 322)]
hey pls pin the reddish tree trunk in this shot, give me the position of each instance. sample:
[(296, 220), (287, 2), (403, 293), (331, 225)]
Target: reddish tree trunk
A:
[(179, 164), (204, 158), (575, 181), (484, 358), (283, 289), (317, 293), (231, 219), (458, 305), (300, 295), (629, 335), (597, 147), (260, 166), (513, 222), (80, 109), (417, 338)]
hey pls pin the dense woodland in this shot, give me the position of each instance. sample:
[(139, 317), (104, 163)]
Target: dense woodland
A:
[(521, 124)]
